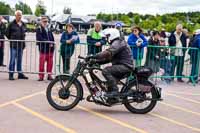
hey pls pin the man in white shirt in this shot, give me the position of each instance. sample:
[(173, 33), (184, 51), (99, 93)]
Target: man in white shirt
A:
[(179, 40)]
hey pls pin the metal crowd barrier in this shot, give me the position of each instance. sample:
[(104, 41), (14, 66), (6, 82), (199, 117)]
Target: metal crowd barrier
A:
[(80, 49), (169, 63), (162, 59), (30, 57)]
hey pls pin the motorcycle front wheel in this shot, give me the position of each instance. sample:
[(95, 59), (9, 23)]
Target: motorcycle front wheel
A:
[(61, 98)]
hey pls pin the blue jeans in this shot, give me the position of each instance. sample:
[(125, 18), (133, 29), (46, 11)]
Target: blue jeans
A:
[(15, 55)]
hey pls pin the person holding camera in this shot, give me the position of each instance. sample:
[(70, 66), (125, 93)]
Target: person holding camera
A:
[(68, 40), (137, 42)]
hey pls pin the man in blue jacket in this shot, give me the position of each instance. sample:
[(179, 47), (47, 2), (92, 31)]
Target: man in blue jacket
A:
[(137, 42), (46, 48), (195, 55)]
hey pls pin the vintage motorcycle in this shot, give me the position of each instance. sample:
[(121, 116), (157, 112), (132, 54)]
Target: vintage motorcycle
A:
[(137, 93)]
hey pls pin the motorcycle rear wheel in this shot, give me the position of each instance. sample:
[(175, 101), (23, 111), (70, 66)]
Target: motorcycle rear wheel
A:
[(132, 106)]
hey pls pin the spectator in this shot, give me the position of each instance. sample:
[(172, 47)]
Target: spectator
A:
[(119, 27), (68, 40), (95, 40), (190, 45), (152, 58), (162, 33), (165, 63), (137, 42), (16, 31), (191, 40), (43, 34), (2, 34), (185, 31), (195, 61), (179, 40)]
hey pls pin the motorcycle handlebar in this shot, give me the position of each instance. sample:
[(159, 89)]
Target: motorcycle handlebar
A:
[(87, 61), (81, 57)]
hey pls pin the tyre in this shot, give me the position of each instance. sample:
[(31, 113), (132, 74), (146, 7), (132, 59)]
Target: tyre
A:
[(137, 105), (61, 99)]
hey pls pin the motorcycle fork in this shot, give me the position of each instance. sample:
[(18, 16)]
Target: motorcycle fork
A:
[(68, 85)]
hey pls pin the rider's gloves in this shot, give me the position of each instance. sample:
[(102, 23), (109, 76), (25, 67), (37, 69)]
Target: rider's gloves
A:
[(93, 61), (89, 57)]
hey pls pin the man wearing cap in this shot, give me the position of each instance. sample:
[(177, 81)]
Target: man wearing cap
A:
[(16, 32), (2, 34), (194, 57), (46, 48), (118, 26), (95, 40)]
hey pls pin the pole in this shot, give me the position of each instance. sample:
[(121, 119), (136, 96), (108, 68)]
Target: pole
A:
[(23, 5), (52, 2)]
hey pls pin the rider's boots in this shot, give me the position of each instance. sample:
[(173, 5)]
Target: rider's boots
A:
[(112, 96), (113, 93)]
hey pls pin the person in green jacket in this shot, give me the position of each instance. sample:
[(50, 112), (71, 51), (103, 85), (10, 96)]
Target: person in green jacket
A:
[(94, 39)]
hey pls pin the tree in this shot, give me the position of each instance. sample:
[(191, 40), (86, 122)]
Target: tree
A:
[(67, 10), (126, 19), (164, 19), (170, 26), (5, 9), (23, 7), (40, 8), (137, 19), (99, 16), (168, 21), (130, 14)]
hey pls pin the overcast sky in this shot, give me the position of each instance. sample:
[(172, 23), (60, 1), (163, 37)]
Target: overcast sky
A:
[(84, 7)]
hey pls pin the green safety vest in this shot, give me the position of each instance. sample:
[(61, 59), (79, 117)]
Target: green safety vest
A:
[(94, 34)]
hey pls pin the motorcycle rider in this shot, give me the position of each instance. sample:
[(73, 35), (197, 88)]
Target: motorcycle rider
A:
[(120, 55)]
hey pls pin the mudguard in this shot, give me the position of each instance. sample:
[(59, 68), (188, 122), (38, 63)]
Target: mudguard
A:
[(157, 89), (60, 75), (76, 81)]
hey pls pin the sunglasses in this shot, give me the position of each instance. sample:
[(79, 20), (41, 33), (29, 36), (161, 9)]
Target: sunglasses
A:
[(44, 21)]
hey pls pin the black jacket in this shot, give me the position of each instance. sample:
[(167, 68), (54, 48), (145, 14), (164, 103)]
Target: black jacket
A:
[(172, 40), (16, 32), (42, 35), (2, 30), (152, 52), (118, 53)]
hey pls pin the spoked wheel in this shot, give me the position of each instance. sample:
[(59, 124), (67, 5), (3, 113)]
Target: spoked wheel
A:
[(139, 105), (61, 98)]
